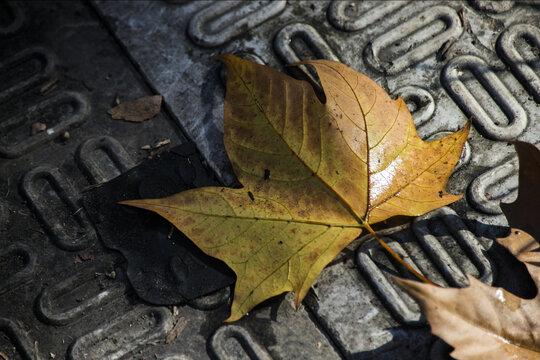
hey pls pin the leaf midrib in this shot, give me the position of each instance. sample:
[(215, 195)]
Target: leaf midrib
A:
[(368, 148), (298, 221), (357, 217)]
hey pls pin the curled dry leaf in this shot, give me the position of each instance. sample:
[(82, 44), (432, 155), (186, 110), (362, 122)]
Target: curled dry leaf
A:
[(525, 248), (137, 110), (484, 322), (314, 174)]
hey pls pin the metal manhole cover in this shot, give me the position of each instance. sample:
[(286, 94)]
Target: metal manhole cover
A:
[(64, 293)]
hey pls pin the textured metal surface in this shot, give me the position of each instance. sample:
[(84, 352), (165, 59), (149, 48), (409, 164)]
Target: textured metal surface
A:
[(63, 293), (163, 266), (58, 283)]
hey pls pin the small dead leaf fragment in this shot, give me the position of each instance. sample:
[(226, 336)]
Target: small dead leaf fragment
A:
[(462, 17), (158, 148), (443, 50), (137, 110), (49, 86), (162, 143), (479, 321), (83, 256), (176, 330), (484, 322), (522, 245), (38, 127), (336, 166)]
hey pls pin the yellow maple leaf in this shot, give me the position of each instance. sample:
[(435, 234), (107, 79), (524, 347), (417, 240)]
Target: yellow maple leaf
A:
[(314, 174)]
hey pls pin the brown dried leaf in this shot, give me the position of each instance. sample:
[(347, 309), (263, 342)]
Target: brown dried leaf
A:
[(484, 322), (523, 246), (523, 213), (177, 330), (480, 321), (137, 110)]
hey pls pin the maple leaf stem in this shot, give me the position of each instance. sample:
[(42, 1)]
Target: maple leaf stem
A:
[(397, 257)]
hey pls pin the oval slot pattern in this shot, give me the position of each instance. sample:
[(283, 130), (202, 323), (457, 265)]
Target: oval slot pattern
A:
[(495, 185), (211, 301), (18, 338), (400, 304), (453, 77), (472, 248), (17, 266), (417, 38), (60, 113), (78, 290), (224, 20), (308, 36), (352, 16), (232, 341), (52, 198), (15, 18), (103, 159), (433, 251), (520, 62), (493, 6), (24, 70), (122, 335)]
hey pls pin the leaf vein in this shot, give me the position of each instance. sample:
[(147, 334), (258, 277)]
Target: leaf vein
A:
[(280, 266)]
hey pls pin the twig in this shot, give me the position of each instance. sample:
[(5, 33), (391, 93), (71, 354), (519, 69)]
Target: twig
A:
[(90, 187), (177, 330), (398, 258), (36, 350)]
